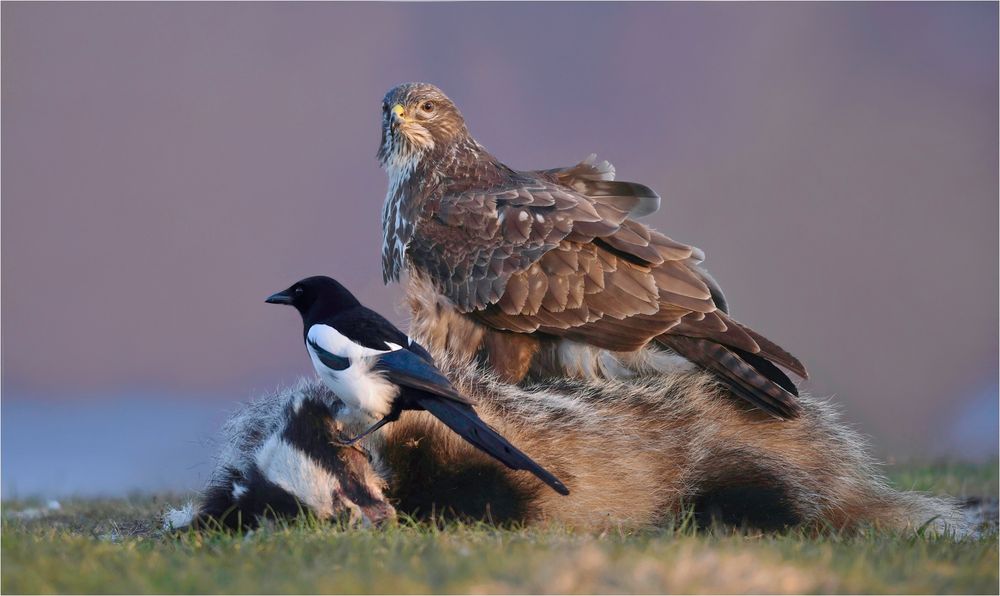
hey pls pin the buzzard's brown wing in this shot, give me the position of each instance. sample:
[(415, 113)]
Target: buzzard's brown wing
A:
[(616, 290), (537, 256), (471, 242)]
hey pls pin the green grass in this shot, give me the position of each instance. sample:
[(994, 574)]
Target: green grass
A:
[(950, 478), (111, 546)]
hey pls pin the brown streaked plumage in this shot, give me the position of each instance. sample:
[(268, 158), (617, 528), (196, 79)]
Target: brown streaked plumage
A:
[(554, 255)]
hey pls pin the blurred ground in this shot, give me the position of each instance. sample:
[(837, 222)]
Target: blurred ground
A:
[(101, 447), (113, 546)]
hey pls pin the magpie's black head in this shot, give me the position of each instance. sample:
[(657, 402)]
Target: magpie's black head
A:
[(316, 297)]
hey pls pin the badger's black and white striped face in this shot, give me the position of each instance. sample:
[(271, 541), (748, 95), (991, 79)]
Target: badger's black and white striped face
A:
[(293, 470)]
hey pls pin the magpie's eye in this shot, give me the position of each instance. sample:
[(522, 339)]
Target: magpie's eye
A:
[(298, 291), (428, 106)]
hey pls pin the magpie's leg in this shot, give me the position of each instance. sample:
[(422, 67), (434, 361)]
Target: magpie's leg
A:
[(390, 417)]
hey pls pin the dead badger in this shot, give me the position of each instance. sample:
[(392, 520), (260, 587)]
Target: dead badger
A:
[(277, 460), (633, 452)]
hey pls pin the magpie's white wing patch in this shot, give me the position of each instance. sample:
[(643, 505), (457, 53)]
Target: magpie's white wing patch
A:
[(338, 344)]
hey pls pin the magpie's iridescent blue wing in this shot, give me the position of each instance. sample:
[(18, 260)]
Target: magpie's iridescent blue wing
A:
[(421, 351), (409, 369)]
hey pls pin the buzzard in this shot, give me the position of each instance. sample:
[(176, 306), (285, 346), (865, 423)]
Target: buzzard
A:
[(547, 273)]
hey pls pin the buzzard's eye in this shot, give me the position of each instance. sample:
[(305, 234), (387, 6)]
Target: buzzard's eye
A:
[(428, 106)]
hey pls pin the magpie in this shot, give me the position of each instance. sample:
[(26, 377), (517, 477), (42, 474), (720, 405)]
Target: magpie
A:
[(379, 372)]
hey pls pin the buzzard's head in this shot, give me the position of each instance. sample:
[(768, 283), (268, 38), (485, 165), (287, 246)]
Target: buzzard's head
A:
[(416, 119)]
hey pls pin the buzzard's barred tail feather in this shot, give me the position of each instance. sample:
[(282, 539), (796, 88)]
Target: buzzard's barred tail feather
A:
[(463, 420), (775, 353), (769, 370), (754, 379), (638, 199), (597, 182)]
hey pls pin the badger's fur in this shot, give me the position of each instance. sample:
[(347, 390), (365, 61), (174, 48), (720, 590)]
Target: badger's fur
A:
[(633, 452), (636, 451)]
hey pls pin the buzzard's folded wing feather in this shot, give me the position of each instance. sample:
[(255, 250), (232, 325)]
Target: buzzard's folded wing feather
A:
[(554, 252)]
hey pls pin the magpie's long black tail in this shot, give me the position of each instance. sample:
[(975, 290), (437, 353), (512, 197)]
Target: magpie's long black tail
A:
[(462, 419)]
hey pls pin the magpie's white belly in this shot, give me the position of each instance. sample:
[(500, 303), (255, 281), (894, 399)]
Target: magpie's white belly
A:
[(358, 387)]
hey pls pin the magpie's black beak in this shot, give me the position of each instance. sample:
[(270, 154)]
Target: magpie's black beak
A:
[(279, 298)]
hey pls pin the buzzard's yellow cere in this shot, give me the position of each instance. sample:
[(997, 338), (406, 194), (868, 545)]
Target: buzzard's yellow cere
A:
[(546, 273)]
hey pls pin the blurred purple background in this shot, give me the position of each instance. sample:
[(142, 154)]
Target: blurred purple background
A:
[(167, 166)]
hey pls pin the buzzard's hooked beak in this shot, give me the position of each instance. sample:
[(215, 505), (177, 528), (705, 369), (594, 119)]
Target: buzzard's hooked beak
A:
[(397, 117)]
